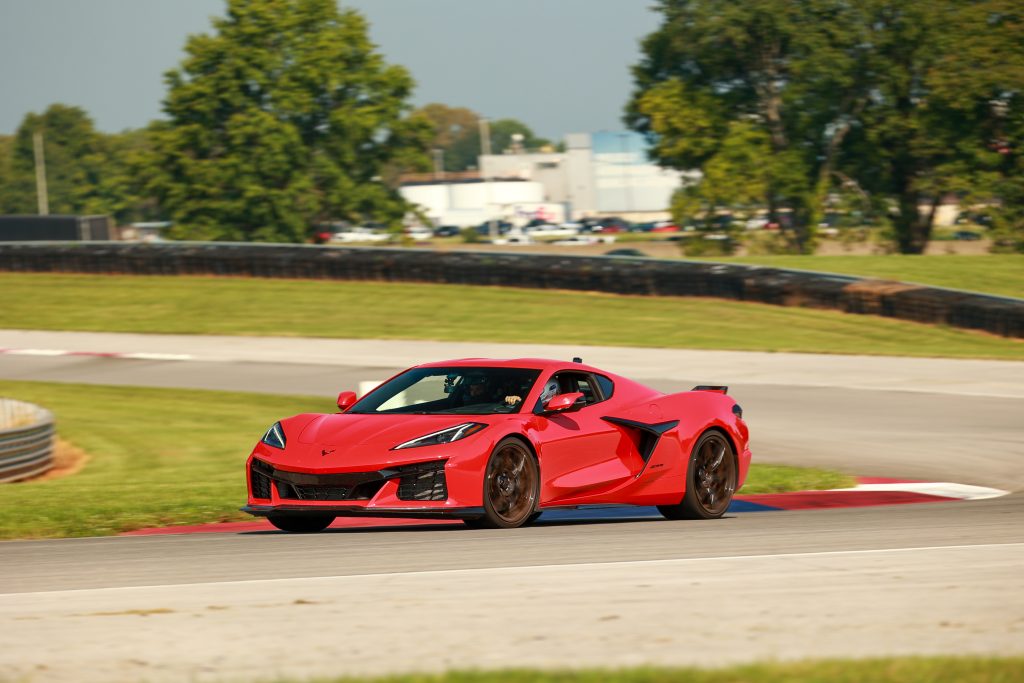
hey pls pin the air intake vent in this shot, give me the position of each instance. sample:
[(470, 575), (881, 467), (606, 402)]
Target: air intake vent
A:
[(423, 482), (259, 480)]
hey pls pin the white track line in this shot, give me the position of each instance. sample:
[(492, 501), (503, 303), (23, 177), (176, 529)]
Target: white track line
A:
[(531, 567), (942, 489)]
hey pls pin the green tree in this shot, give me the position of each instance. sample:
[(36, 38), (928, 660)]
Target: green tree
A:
[(881, 98), (457, 132), (75, 157), (981, 85), (6, 147), (286, 116), (87, 172), (717, 75)]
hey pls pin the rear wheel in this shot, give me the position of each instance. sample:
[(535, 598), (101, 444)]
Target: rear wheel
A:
[(711, 480), (511, 486), (306, 523)]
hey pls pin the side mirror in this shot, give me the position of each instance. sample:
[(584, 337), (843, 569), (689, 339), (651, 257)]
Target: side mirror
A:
[(562, 402), (346, 400)]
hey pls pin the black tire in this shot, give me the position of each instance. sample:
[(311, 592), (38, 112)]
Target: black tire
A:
[(306, 523), (710, 480), (511, 487)]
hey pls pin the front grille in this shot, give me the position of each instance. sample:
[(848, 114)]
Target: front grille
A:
[(258, 480), (294, 492), (423, 482), (363, 491)]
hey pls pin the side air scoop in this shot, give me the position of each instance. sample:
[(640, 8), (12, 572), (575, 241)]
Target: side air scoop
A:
[(649, 433)]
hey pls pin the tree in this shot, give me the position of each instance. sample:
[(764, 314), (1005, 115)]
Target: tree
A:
[(847, 95), (285, 117), (457, 132), (6, 147), (76, 160), (981, 84), (717, 73)]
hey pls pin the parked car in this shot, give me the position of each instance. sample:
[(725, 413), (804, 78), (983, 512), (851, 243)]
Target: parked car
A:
[(966, 235), (447, 231), (360, 234), (665, 226)]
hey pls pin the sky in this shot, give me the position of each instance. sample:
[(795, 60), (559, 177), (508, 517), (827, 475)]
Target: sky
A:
[(560, 66)]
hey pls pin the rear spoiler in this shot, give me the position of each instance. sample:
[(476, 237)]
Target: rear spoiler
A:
[(711, 387)]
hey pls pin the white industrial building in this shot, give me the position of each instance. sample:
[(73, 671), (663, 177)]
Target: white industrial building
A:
[(598, 174)]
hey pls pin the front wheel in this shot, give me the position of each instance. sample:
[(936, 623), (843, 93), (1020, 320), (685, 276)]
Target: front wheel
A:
[(710, 481), (511, 487), (306, 523)]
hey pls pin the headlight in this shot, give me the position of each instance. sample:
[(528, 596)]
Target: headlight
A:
[(444, 436), (274, 436)]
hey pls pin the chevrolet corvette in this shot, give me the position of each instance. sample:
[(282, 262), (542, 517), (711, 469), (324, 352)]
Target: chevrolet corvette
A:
[(495, 443)]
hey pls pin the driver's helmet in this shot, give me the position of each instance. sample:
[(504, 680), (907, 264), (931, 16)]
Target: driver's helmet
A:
[(550, 391)]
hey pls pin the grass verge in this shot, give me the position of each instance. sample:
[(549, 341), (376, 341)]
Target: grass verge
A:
[(171, 456), (370, 310), (889, 670), (1001, 274)]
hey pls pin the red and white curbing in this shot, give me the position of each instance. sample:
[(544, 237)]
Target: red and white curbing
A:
[(870, 491), (98, 354)]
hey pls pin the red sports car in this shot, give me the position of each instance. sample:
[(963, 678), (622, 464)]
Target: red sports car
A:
[(497, 442)]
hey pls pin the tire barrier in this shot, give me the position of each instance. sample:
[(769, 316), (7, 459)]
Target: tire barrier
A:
[(616, 275), (26, 440)]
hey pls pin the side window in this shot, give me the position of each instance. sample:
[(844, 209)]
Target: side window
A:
[(607, 386), (584, 386), (570, 382)]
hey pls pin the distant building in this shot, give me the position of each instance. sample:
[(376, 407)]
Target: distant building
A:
[(465, 202), (598, 174)]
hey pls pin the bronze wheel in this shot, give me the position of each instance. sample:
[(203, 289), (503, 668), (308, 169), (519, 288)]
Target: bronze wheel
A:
[(711, 480), (511, 485)]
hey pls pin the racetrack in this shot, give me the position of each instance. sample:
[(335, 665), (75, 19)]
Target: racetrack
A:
[(939, 578)]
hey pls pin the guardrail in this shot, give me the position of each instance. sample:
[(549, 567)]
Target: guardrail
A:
[(26, 440), (617, 275)]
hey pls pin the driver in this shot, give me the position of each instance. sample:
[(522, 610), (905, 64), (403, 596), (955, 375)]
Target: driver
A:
[(476, 389)]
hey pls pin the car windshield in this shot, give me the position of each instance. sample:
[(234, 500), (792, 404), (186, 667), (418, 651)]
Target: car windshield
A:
[(451, 391)]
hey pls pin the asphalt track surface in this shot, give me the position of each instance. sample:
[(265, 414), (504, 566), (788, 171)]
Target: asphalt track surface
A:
[(935, 578)]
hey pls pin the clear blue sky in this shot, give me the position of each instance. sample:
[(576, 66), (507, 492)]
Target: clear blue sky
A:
[(558, 65)]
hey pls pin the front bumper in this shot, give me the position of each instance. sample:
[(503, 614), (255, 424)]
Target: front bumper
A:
[(359, 511), (419, 489)]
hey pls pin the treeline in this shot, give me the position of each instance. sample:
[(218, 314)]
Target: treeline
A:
[(284, 118), (877, 108)]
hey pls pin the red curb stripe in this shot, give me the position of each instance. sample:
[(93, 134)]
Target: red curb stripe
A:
[(263, 525), (807, 500), (887, 480)]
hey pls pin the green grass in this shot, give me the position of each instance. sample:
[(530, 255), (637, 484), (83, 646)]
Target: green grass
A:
[(1001, 274), (158, 457), (782, 478), (889, 670), (171, 456), (371, 310)]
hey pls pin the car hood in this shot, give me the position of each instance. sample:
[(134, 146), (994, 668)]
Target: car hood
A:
[(379, 431)]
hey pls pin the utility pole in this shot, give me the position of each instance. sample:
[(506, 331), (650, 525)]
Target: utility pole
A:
[(41, 196), (438, 163), (485, 150)]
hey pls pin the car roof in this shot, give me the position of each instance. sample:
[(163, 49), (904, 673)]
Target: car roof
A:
[(529, 363)]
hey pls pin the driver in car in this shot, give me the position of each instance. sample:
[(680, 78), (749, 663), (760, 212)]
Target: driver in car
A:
[(478, 391)]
